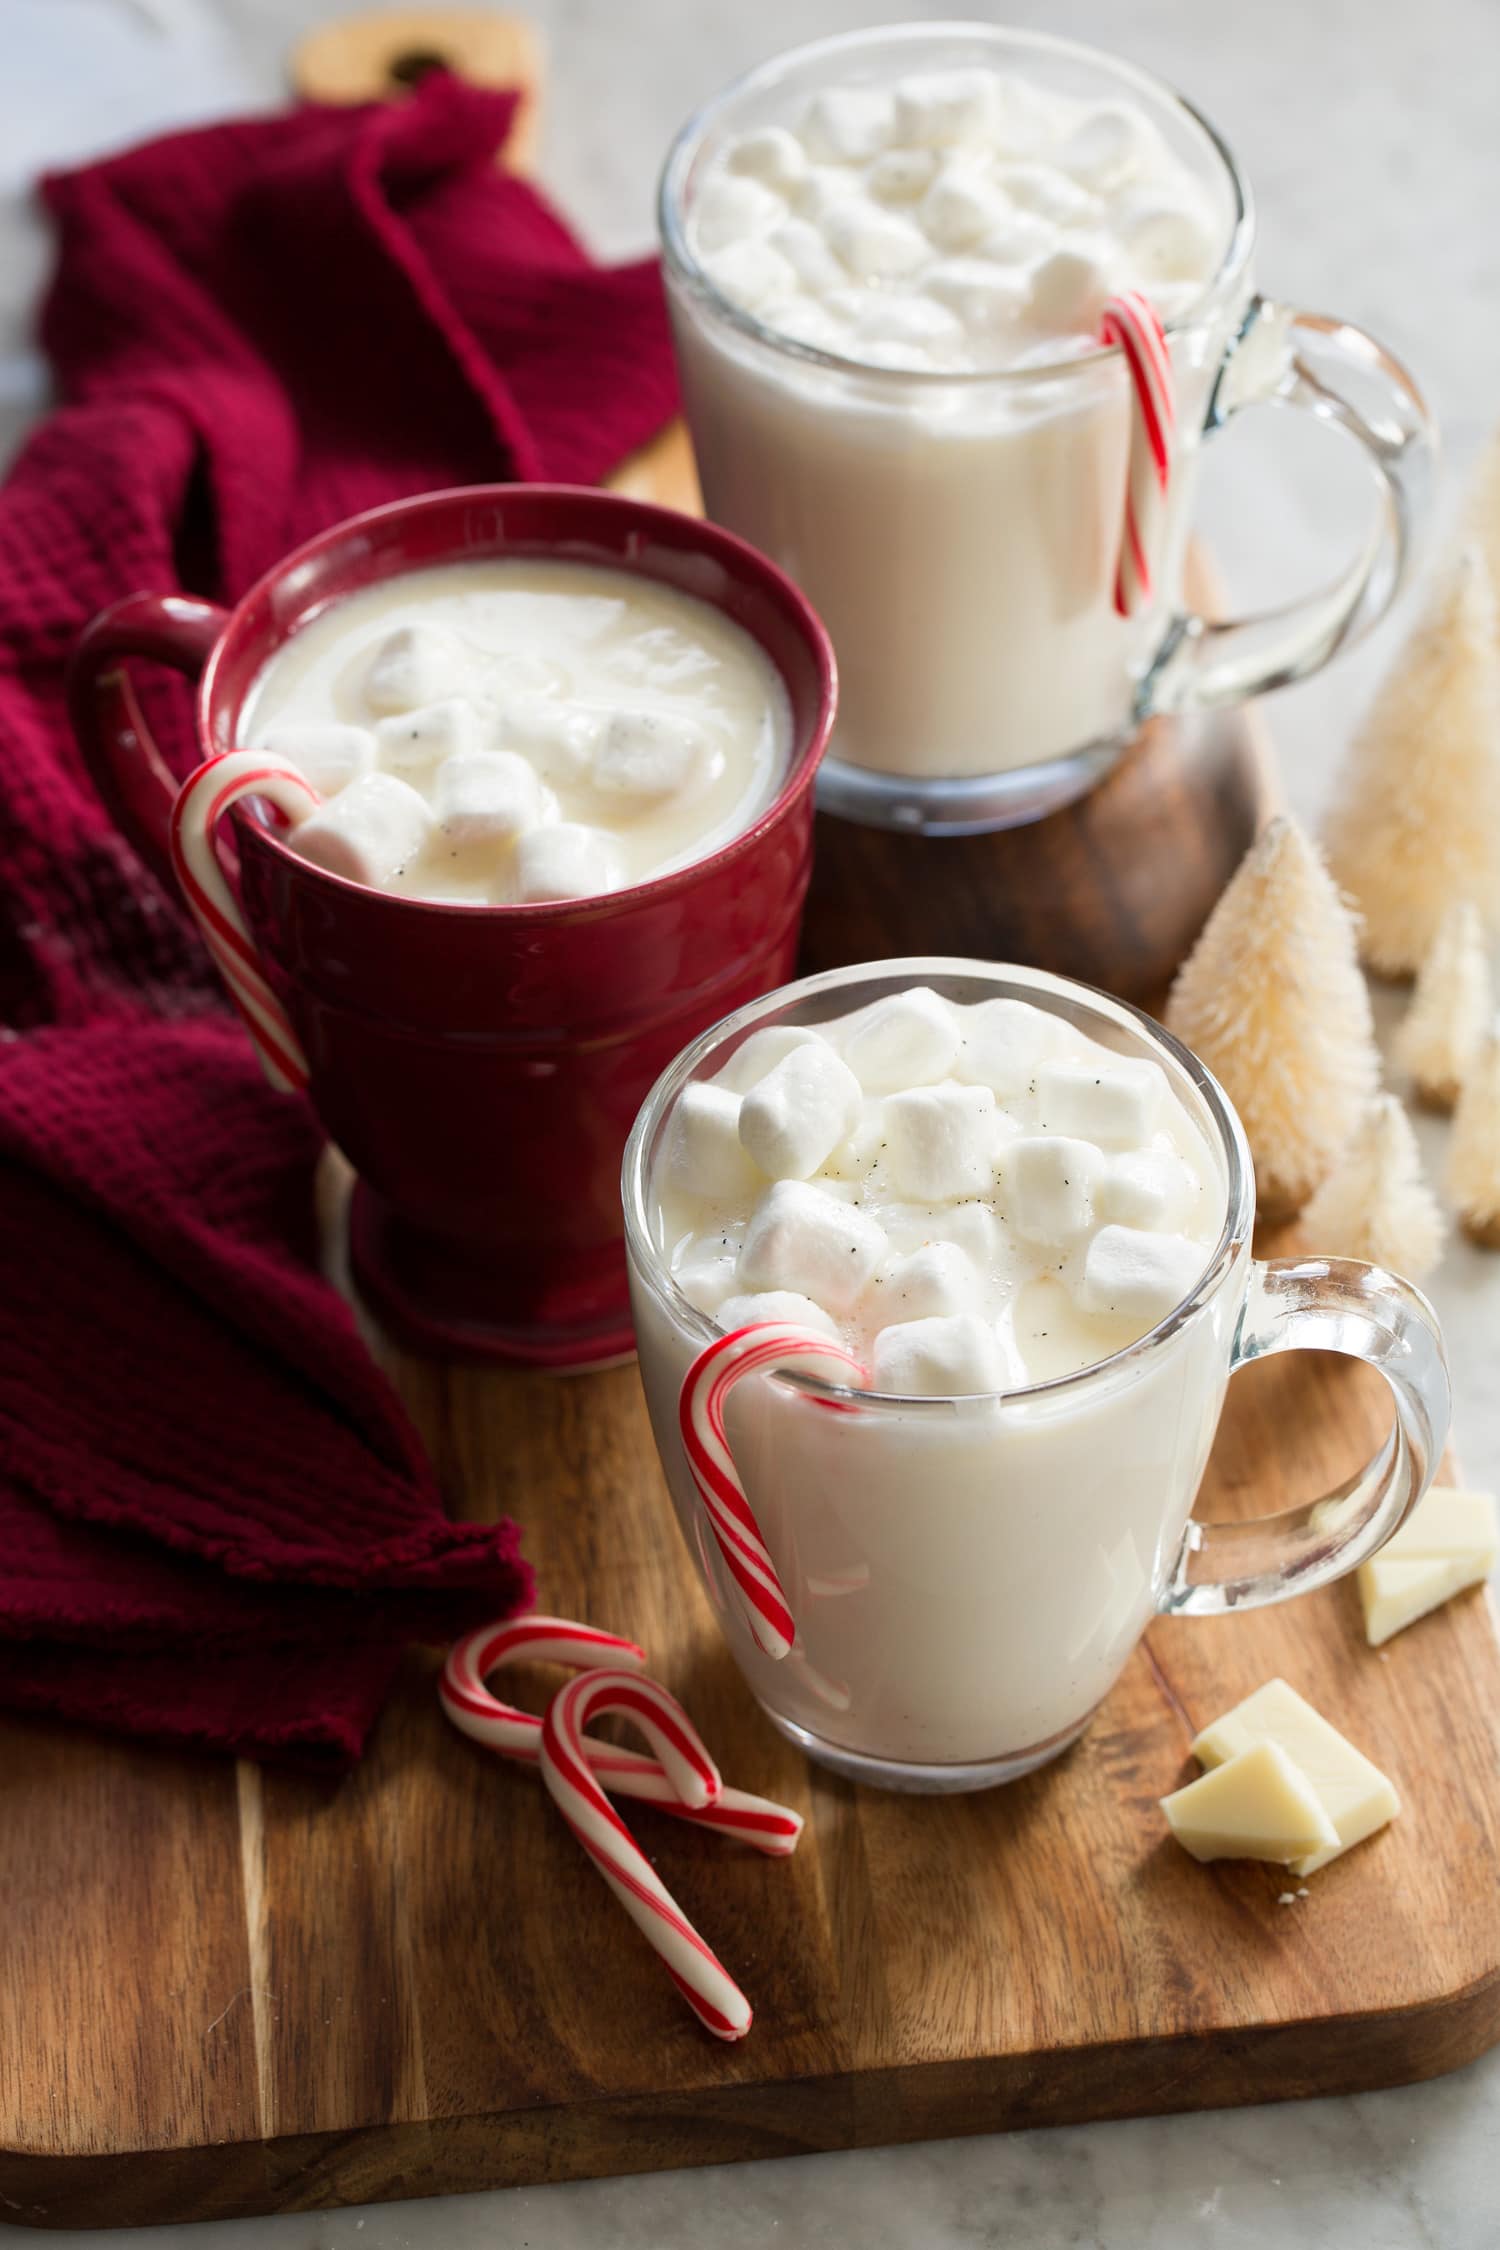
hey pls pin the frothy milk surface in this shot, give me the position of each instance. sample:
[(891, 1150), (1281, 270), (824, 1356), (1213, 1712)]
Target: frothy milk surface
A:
[(518, 731), (951, 220), (973, 1198)]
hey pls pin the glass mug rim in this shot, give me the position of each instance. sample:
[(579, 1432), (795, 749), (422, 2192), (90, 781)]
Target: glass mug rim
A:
[(1233, 1149), (684, 267)]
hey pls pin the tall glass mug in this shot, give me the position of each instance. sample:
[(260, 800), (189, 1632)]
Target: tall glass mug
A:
[(967, 1576), (959, 532)]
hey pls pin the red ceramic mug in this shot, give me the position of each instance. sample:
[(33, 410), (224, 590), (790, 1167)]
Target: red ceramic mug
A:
[(481, 1066)]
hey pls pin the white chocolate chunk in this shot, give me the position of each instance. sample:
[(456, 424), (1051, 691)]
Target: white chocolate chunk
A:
[(1047, 1185), (414, 665), (417, 740), (489, 797), (848, 124), (750, 273), (1129, 1274), (773, 156), (329, 753), (762, 1051), (1113, 1104), (704, 1154), (940, 1358), (566, 860), (1449, 1542), (799, 1112), (1257, 1805), (874, 243), (909, 1039), (941, 1142), (369, 832), (940, 109), (1146, 1187), (645, 756), (1002, 1044), (775, 1304), (901, 175), (730, 207), (935, 1282), (1356, 1795), (802, 1240)]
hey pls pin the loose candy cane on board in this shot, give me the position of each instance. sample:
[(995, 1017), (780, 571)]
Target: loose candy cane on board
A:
[(201, 804), (698, 1973), (771, 1828), (765, 1347), (1131, 321)]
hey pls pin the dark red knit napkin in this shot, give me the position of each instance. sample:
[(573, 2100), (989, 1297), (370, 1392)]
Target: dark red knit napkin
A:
[(216, 1523)]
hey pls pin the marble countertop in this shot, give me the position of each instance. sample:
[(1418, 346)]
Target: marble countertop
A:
[(1370, 139)]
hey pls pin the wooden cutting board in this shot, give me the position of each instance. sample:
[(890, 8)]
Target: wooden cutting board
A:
[(224, 1991)]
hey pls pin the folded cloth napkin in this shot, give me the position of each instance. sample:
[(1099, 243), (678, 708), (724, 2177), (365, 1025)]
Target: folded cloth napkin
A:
[(216, 1523)]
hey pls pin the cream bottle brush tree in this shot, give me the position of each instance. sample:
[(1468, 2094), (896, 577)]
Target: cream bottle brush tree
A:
[(1272, 999), (1375, 1203), (1415, 823), (1474, 1152), (1443, 1030)]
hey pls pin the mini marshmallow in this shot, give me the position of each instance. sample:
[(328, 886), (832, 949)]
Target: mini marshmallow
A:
[(1115, 1104), (960, 209), (1166, 240), (939, 109), (802, 1240), (489, 797), (645, 756), (857, 1155), (419, 739), (987, 299), (1146, 1187), (881, 319), (706, 1277), (730, 207), (1105, 148), (941, 1142), (908, 1039), (773, 156), (935, 1282), (801, 247), (1003, 1044), (1048, 1187), (799, 1112), (848, 124), (902, 174), (822, 190), (559, 739), (775, 1304), (1067, 292), (1022, 238), (750, 273), (974, 1229), (762, 1051), (415, 665), (1129, 1274), (952, 1358), (704, 1154), (874, 243), (805, 321), (329, 754), (369, 833), (566, 860), (1050, 194)]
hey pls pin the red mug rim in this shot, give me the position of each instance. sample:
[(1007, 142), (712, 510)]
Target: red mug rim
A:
[(743, 559)]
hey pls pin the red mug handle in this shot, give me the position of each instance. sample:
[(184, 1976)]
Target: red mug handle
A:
[(125, 765)]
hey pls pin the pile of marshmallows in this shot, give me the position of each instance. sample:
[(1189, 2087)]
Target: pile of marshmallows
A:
[(1023, 1161), (950, 219), (437, 771)]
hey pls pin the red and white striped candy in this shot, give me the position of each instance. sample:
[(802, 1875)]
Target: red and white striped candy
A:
[(771, 1828), (694, 1968), (765, 1346), (1131, 321), (201, 804)]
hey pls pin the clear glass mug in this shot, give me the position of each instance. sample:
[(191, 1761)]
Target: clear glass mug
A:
[(968, 1576), (958, 533)]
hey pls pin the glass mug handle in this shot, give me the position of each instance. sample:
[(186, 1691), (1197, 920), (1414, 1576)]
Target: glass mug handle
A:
[(1312, 361), (1325, 1305)]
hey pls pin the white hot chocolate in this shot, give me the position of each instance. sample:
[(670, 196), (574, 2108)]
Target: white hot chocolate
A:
[(977, 1200), (507, 732)]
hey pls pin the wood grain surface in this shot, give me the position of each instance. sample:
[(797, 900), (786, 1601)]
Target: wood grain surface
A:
[(226, 1991)]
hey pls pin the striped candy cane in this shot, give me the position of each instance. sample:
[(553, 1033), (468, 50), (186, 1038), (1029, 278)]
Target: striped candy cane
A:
[(766, 1346), (202, 802), (694, 1968), (771, 1828), (1131, 321)]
